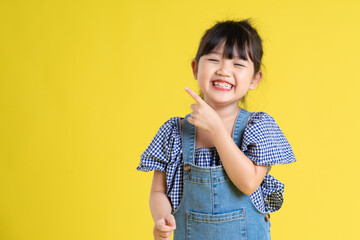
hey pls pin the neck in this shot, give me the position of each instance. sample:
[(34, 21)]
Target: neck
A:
[(226, 112)]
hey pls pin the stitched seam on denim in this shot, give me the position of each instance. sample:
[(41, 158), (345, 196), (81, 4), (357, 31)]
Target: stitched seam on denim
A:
[(223, 181), (187, 225), (198, 182), (212, 193), (245, 223), (182, 198), (193, 139), (217, 217), (229, 218), (215, 221), (237, 116), (206, 169)]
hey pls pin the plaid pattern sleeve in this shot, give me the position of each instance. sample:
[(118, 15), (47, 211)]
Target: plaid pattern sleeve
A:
[(164, 154), (265, 144), (159, 152)]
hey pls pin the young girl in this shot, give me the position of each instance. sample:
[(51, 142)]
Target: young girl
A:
[(211, 176)]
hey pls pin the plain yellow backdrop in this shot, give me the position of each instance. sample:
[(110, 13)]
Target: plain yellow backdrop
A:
[(85, 85)]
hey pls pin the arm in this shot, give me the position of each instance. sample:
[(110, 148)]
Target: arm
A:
[(245, 175), (161, 208), (159, 203)]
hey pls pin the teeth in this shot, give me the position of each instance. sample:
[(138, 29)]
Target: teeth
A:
[(222, 84)]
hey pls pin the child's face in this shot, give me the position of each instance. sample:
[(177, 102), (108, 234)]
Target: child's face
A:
[(237, 72)]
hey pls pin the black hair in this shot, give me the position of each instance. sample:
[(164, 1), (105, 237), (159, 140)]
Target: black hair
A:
[(239, 34)]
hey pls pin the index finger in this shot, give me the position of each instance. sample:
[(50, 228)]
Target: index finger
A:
[(196, 97)]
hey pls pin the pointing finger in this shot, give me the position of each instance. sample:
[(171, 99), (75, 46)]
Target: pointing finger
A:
[(194, 95)]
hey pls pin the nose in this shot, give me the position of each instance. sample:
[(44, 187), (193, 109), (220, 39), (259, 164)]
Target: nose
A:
[(224, 69)]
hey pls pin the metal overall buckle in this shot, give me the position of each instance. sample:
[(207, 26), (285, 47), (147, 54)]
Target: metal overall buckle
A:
[(267, 217), (187, 168)]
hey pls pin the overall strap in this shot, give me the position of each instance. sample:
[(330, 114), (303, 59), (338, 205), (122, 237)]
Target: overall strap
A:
[(189, 135), (188, 141), (240, 125)]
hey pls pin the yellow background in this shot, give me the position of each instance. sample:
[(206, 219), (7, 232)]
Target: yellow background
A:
[(85, 85)]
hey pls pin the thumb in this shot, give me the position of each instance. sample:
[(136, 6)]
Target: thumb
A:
[(170, 221)]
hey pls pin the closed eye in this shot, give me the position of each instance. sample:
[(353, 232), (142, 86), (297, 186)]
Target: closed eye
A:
[(239, 65), (214, 60)]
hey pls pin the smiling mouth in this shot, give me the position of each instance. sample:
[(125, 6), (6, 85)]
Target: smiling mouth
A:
[(222, 85)]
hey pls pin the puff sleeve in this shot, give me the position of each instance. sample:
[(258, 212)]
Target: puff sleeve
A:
[(160, 151), (265, 144)]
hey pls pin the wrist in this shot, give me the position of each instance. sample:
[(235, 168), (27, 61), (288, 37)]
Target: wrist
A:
[(217, 130)]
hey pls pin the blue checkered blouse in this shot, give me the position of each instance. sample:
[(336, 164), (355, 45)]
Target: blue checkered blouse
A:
[(263, 143)]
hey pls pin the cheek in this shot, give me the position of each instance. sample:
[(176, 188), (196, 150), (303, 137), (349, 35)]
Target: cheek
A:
[(245, 73), (243, 78), (204, 74)]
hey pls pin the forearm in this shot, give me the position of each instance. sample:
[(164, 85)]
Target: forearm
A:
[(240, 169), (160, 205)]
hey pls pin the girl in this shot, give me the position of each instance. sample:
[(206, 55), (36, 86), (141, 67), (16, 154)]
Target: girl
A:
[(211, 176)]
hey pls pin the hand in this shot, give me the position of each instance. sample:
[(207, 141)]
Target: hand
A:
[(163, 227), (203, 116)]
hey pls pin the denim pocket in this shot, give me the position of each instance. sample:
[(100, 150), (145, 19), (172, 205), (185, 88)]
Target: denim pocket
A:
[(223, 226)]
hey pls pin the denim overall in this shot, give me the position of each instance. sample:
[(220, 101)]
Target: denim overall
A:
[(212, 207)]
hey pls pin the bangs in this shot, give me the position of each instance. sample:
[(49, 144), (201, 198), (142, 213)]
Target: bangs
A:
[(237, 38)]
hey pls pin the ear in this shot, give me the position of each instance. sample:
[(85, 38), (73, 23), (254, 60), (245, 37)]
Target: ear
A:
[(194, 67), (256, 80)]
